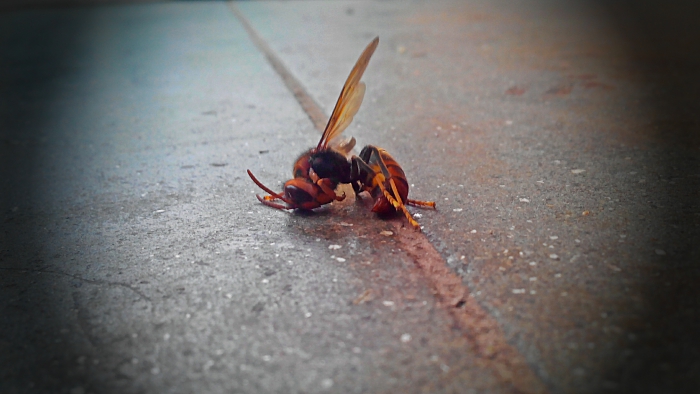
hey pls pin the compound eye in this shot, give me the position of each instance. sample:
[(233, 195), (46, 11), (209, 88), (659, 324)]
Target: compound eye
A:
[(298, 195)]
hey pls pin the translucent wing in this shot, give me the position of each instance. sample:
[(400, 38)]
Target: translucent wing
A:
[(344, 147), (350, 98), (352, 105)]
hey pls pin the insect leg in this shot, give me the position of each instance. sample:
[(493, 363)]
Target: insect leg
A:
[(325, 185), (361, 174), (268, 201), (419, 203), (398, 204)]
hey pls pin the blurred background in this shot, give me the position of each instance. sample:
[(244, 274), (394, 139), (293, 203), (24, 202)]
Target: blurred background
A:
[(560, 141)]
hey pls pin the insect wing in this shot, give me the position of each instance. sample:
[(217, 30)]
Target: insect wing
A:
[(348, 112), (350, 98), (343, 146)]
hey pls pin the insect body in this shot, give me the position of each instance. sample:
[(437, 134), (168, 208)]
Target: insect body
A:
[(318, 171), (376, 172)]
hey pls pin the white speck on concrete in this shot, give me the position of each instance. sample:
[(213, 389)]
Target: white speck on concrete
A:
[(327, 383)]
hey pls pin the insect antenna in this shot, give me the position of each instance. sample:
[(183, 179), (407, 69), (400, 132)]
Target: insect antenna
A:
[(265, 188)]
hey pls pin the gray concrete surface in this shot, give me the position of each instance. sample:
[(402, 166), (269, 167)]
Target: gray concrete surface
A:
[(560, 142)]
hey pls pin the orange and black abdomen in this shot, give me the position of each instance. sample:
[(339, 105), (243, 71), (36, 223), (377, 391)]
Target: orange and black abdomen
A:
[(382, 162)]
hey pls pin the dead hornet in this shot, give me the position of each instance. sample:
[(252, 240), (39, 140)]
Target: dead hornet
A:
[(379, 174), (318, 171)]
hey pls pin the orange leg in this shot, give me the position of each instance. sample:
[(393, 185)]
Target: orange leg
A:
[(325, 185), (396, 202), (268, 201), (419, 203)]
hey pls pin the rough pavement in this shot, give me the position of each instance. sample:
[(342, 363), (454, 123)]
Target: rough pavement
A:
[(559, 141)]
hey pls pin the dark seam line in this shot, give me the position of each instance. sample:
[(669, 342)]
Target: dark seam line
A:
[(310, 107)]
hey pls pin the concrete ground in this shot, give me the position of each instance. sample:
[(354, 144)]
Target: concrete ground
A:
[(560, 141)]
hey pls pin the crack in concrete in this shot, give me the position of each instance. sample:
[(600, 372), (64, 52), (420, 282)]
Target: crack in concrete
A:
[(90, 281), (481, 329)]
